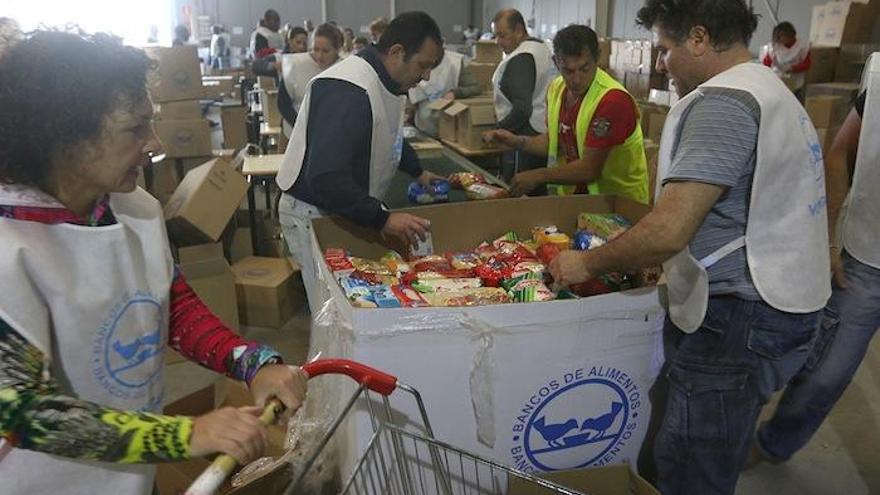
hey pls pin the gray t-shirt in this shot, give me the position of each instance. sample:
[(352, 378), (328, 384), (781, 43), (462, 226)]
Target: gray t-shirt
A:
[(716, 144)]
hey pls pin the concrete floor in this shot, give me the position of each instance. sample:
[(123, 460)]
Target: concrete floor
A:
[(843, 457)]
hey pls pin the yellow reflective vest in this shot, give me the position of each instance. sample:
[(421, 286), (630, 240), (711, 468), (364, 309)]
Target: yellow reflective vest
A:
[(625, 172)]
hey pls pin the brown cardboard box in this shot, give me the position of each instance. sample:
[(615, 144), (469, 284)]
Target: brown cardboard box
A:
[(269, 290), (823, 62), (204, 202), (851, 61), (604, 61), (178, 75), (234, 123), (224, 86), (184, 138), (827, 111), (608, 480), (266, 83), (483, 72), (447, 125), (212, 279), (487, 51), (240, 247), (652, 152), (178, 110), (269, 101), (848, 91), (472, 117)]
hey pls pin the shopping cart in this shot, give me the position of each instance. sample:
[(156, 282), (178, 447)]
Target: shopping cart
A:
[(396, 461)]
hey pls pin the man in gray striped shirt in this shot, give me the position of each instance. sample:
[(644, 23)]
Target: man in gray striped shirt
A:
[(740, 229)]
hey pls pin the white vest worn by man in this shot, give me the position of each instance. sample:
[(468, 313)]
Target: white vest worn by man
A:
[(297, 69), (443, 80), (274, 39), (860, 226), (386, 146), (545, 72), (786, 238), (784, 58), (94, 301)]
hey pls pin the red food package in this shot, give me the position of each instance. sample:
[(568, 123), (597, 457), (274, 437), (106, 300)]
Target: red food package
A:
[(441, 265), (374, 278), (546, 252), (339, 264), (460, 180), (409, 297), (486, 251), (490, 275), (484, 191), (335, 253)]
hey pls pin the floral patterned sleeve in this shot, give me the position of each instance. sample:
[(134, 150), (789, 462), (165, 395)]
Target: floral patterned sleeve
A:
[(35, 416)]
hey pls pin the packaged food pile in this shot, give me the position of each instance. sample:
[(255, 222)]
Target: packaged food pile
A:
[(507, 270)]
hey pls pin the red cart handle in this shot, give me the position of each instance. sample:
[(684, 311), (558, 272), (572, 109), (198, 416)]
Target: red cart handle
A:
[(371, 378)]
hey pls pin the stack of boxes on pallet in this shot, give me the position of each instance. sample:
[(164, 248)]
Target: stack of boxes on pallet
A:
[(176, 88), (842, 38), (487, 56), (200, 207), (827, 105), (632, 63)]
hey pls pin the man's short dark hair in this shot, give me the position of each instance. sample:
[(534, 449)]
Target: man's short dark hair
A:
[(574, 40), (514, 19), (410, 29), (56, 88), (784, 27), (727, 21)]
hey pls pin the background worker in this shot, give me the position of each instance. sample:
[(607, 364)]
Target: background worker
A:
[(299, 68), (789, 57), (594, 141), (266, 40), (348, 142), (519, 86)]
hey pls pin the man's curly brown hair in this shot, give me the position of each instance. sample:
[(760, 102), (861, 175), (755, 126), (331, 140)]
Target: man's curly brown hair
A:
[(56, 88)]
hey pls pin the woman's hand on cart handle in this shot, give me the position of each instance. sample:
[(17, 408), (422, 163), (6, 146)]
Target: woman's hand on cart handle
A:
[(286, 383), (236, 432), (371, 378)]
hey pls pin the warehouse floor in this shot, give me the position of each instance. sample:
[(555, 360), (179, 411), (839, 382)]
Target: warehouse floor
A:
[(842, 458)]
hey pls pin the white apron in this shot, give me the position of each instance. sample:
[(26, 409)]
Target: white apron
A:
[(786, 236), (861, 228), (443, 80), (784, 58), (545, 73), (386, 146), (297, 69), (274, 39), (94, 301)]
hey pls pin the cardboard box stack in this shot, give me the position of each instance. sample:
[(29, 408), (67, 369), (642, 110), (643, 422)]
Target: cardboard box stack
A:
[(269, 290), (233, 120), (827, 114), (823, 63), (632, 63), (176, 87), (487, 55), (842, 22), (464, 121), (851, 61), (220, 87), (848, 91)]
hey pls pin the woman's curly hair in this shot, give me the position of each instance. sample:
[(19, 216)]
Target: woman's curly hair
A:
[(56, 88)]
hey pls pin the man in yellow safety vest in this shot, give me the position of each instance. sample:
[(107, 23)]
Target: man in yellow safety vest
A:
[(593, 140)]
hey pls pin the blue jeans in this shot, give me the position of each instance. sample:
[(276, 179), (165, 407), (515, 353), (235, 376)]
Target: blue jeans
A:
[(719, 377), (851, 318)]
